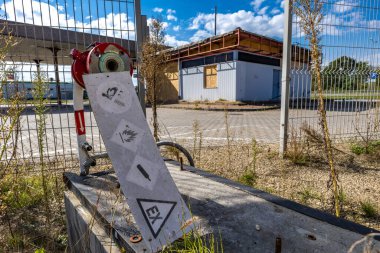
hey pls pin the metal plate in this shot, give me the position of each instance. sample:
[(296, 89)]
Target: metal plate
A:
[(151, 193)]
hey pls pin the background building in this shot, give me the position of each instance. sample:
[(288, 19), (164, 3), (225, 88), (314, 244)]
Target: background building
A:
[(236, 66)]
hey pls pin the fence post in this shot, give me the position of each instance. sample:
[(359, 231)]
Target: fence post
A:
[(139, 42), (286, 63)]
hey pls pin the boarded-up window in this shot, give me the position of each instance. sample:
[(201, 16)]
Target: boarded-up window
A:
[(172, 76), (210, 77)]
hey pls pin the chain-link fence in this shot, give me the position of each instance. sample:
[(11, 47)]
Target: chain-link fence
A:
[(44, 33), (350, 72)]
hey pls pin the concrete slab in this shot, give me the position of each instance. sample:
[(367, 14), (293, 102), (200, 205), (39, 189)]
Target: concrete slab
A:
[(248, 220)]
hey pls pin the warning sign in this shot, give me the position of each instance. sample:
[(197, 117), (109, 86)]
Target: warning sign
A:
[(143, 173), (127, 135), (156, 213), (79, 122), (150, 191)]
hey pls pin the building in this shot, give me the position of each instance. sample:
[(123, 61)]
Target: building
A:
[(236, 66), (26, 89)]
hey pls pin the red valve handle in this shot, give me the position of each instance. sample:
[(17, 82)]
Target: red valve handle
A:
[(82, 60)]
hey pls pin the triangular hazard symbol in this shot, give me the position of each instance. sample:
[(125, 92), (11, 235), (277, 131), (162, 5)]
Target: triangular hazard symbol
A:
[(156, 213)]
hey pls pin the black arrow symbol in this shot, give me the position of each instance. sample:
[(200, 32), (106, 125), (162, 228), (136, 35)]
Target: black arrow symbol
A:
[(143, 171)]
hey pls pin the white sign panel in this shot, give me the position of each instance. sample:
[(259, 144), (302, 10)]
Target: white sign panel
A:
[(157, 206)]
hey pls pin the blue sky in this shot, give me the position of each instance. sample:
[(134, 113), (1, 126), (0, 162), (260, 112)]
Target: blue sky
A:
[(187, 22), (351, 27)]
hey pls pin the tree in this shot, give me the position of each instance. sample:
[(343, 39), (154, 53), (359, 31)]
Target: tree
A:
[(153, 61), (310, 16), (345, 73)]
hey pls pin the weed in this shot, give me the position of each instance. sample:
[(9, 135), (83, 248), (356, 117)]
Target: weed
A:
[(296, 149), (370, 147), (248, 178), (369, 210), (197, 144), (310, 14), (16, 241), (228, 136), (306, 195), (196, 243)]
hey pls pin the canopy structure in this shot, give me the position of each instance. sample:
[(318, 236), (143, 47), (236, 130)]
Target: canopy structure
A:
[(42, 44), (52, 45)]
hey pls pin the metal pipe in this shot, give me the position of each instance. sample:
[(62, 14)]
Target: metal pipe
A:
[(286, 62)]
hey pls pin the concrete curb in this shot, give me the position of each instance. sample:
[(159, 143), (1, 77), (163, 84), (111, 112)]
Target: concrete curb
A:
[(222, 109), (305, 210)]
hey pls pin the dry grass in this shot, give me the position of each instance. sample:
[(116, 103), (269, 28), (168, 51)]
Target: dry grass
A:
[(23, 220), (306, 182)]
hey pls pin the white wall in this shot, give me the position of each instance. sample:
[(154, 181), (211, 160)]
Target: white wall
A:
[(254, 81), (193, 86), (300, 83)]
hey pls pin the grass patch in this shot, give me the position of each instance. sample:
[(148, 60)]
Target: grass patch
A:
[(360, 148), (195, 243), (368, 209), (307, 195), (248, 178), (23, 210)]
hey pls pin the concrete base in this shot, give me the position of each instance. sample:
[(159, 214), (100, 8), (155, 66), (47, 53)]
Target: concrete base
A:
[(248, 220)]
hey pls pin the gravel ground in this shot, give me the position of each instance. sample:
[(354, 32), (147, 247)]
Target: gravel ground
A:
[(304, 180)]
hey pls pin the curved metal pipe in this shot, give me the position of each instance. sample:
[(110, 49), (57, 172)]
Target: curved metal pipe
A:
[(180, 148)]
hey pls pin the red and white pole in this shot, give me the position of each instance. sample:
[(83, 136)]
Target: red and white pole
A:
[(101, 57)]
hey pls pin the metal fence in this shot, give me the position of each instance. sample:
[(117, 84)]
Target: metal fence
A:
[(45, 32), (351, 72)]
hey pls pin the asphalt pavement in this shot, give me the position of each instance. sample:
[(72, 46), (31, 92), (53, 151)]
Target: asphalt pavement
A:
[(176, 125)]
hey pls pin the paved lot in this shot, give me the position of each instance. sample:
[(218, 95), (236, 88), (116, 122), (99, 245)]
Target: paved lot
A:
[(60, 136)]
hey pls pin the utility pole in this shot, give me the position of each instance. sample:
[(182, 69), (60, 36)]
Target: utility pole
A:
[(216, 15), (286, 62)]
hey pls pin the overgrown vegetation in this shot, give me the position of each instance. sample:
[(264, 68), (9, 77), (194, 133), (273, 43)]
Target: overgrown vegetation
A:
[(310, 15), (249, 177), (153, 64), (194, 242)]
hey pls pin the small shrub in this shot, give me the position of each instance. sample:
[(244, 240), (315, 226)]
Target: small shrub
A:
[(365, 148), (368, 209), (248, 178), (296, 149)]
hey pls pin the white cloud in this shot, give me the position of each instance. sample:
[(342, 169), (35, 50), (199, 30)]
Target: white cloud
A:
[(176, 28), (173, 42), (343, 6), (33, 12), (263, 10), (158, 9), (275, 11), (171, 17), (200, 35), (247, 20), (256, 4)]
